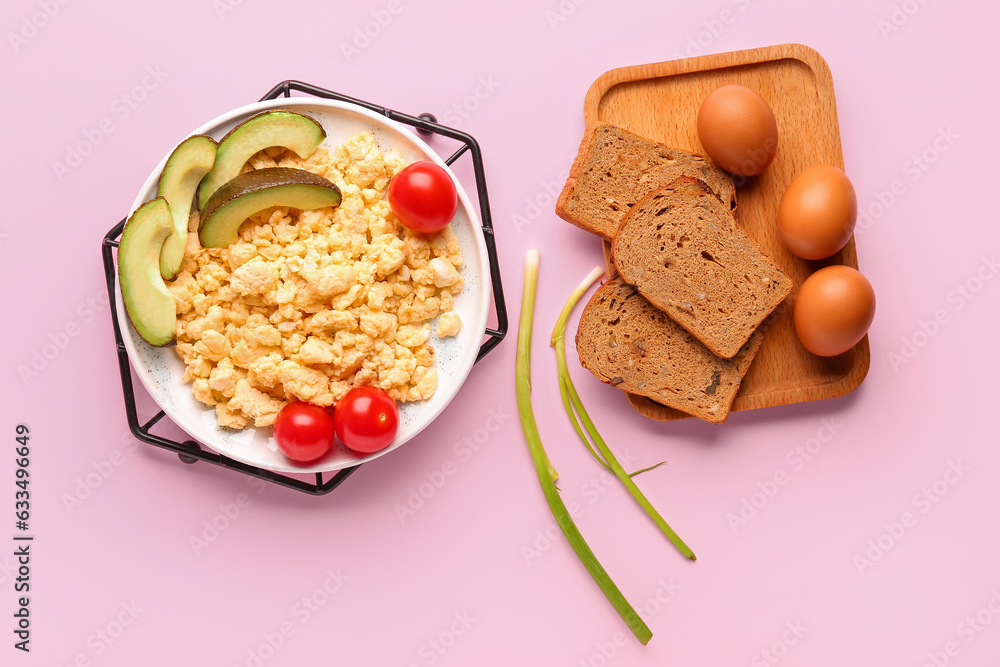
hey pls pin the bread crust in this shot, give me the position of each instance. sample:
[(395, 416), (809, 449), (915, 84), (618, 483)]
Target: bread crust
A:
[(629, 167), (562, 203), (628, 343), (682, 249)]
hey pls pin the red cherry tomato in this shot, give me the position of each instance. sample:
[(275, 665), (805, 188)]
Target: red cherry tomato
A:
[(303, 431), (423, 197), (366, 419)]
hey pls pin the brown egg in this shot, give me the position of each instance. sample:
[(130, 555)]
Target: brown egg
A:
[(833, 310), (817, 213), (738, 131)]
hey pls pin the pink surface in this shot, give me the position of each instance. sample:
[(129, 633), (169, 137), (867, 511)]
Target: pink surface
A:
[(879, 548)]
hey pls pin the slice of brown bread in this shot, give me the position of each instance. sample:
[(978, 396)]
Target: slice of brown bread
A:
[(628, 343), (615, 168), (681, 247)]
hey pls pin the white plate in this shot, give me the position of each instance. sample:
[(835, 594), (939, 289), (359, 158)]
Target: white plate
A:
[(160, 369)]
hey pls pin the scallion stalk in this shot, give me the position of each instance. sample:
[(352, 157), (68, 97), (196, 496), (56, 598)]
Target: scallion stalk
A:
[(544, 469), (571, 400)]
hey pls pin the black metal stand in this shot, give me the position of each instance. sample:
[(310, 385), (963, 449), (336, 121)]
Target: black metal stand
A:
[(190, 451)]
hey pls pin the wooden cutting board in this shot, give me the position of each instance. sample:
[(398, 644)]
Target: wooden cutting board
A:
[(661, 101)]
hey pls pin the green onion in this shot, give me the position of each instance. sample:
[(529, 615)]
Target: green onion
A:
[(571, 400), (544, 469)]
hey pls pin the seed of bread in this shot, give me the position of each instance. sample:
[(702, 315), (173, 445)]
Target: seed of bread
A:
[(630, 344), (681, 247), (615, 168)]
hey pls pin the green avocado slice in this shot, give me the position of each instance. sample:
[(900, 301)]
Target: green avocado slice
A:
[(148, 302), (257, 190), (182, 173), (279, 127)]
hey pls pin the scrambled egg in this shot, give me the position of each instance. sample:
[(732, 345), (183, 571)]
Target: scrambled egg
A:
[(306, 305)]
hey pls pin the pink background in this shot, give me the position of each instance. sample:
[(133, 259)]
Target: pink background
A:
[(470, 577)]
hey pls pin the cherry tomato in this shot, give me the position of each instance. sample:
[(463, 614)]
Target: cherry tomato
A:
[(423, 197), (303, 431), (366, 419)]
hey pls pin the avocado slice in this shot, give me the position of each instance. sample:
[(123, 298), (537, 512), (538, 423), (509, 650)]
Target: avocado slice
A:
[(254, 191), (185, 168), (278, 127), (148, 302)]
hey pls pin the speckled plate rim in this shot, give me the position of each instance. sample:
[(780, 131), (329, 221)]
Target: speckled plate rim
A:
[(160, 369)]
